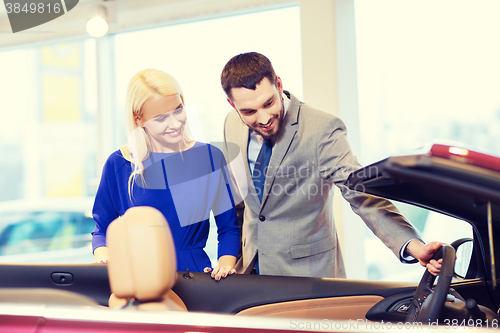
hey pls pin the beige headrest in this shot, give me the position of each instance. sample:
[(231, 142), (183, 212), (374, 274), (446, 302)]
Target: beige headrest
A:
[(142, 262)]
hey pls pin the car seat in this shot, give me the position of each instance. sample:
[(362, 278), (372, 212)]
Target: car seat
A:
[(142, 262)]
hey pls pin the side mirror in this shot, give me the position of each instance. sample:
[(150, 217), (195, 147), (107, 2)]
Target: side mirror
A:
[(463, 248)]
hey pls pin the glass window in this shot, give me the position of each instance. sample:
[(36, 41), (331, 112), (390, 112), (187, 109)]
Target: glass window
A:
[(197, 61), (381, 264), (50, 144), (50, 135), (427, 71), (54, 233)]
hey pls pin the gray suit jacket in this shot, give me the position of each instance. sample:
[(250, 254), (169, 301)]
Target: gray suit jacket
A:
[(293, 228)]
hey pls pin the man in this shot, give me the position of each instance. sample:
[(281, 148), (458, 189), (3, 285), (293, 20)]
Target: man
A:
[(288, 226)]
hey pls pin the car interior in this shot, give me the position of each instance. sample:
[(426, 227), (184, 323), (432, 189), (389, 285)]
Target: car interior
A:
[(141, 273), (153, 285), (396, 83)]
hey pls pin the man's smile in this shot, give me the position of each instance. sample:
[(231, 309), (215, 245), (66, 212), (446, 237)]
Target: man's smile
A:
[(269, 127)]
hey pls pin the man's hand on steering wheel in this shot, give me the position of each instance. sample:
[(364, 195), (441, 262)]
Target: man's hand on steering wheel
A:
[(428, 300), (424, 253)]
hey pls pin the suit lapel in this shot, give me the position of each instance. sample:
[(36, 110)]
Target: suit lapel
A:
[(283, 142)]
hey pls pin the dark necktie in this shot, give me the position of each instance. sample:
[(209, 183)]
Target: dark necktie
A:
[(260, 168)]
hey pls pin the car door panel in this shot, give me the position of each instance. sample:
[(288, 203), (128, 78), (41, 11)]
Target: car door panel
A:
[(238, 293), (87, 279), (333, 308), (199, 292)]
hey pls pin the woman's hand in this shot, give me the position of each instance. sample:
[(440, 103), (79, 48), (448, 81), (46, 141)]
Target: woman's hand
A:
[(220, 272), (101, 255), (225, 268)]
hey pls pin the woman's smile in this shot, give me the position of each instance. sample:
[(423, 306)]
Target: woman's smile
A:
[(175, 133)]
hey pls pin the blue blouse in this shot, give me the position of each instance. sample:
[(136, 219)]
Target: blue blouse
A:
[(185, 187)]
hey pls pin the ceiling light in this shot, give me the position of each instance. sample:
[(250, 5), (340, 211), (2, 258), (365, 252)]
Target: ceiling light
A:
[(97, 26)]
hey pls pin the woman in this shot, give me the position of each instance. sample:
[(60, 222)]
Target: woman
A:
[(164, 168)]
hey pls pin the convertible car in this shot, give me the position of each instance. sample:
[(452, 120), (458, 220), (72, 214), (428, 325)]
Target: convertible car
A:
[(449, 180)]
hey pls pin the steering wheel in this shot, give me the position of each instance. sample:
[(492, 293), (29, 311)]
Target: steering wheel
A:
[(426, 304)]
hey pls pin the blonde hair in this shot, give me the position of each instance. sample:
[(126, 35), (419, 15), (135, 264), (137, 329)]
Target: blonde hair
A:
[(143, 86)]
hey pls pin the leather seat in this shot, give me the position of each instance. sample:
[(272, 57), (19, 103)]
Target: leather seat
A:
[(142, 262)]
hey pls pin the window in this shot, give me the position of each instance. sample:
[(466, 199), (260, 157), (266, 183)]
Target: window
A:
[(196, 61), (381, 264), (50, 147), (46, 230), (50, 106), (427, 71)]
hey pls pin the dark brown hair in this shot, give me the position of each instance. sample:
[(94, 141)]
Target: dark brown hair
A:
[(246, 70)]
